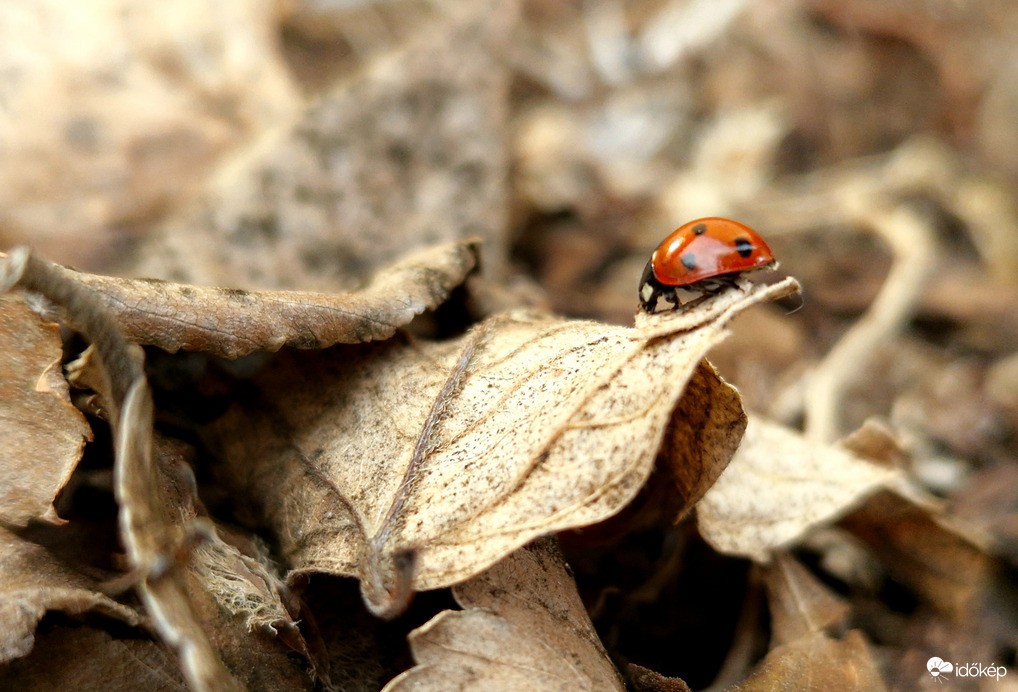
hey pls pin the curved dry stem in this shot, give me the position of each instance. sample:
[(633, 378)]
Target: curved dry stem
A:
[(915, 250), (145, 531)]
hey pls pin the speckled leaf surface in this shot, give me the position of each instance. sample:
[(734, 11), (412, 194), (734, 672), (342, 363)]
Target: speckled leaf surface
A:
[(779, 486)]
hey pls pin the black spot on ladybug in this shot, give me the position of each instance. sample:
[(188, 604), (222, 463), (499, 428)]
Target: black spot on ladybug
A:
[(743, 247), (689, 261), (699, 229)]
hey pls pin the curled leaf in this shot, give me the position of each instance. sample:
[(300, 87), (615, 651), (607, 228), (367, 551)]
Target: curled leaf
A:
[(149, 536), (231, 323)]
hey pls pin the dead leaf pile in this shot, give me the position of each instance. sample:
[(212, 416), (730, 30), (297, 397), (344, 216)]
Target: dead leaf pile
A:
[(349, 439), (415, 464), (411, 464)]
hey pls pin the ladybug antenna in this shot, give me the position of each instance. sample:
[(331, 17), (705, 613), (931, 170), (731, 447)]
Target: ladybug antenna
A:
[(797, 308)]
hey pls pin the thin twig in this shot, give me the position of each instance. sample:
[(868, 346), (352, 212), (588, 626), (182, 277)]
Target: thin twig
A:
[(914, 246)]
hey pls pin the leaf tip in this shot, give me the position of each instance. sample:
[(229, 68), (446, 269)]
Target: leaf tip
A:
[(389, 601)]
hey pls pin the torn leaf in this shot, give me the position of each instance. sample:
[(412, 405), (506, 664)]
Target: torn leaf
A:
[(41, 432)]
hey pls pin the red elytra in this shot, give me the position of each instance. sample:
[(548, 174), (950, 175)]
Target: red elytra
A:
[(706, 248), (704, 254)]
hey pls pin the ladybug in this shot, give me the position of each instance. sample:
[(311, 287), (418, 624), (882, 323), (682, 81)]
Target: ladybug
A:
[(703, 256)]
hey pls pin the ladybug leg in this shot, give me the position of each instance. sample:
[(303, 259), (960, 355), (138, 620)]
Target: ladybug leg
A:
[(708, 288), (718, 284), (703, 297)]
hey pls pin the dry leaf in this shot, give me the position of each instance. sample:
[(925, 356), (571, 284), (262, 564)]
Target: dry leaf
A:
[(407, 154), (778, 487), (914, 538), (34, 580), (800, 605), (645, 680), (218, 608), (803, 655), (705, 431), (43, 434), (924, 550), (86, 372), (709, 414), (454, 454), (523, 627), (875, 441), (231, 323), (83, 658), (817, 664)]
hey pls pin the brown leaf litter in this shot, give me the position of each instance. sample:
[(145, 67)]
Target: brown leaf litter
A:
[(34, 580), (459, 452), (410, 464), (809, 649), (407, 153), (780, 487)]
